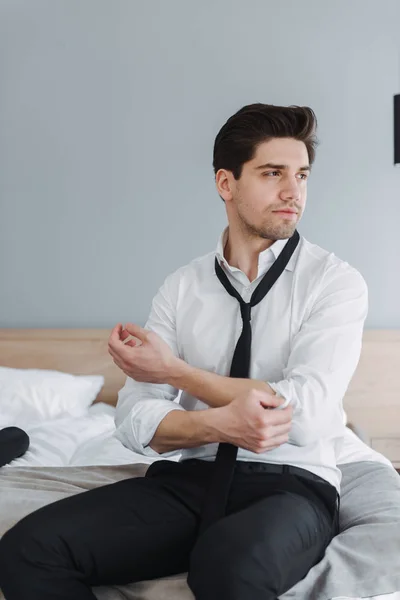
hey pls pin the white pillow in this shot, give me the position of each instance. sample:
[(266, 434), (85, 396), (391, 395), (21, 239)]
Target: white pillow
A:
[(32, 395)]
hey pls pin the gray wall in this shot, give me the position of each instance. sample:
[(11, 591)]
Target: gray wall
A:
[(108, 114)]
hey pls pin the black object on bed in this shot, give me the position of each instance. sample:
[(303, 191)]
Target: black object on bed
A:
[(14, 442)]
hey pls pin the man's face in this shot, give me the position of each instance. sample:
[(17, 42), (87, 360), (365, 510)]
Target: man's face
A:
[(275, 179)]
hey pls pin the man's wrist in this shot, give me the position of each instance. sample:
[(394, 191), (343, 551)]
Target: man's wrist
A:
[(180, 369), (210, 422)]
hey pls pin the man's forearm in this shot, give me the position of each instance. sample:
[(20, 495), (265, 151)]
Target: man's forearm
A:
[(215, 390), (193, 428), (186, 429)]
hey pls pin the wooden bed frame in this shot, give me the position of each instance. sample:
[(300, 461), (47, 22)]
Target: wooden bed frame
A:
[(372, 401), (76, 351)]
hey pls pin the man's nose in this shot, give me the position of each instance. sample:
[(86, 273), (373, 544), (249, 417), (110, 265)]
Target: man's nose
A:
[(290, 190)]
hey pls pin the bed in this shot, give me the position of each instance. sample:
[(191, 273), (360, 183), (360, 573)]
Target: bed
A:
[(72, 452)]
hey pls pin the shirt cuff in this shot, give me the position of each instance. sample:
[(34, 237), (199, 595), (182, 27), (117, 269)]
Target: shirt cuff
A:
[(275, 387), (138, 428)]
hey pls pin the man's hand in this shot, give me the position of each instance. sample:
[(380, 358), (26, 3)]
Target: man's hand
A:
[(246, 423), (152, 361)]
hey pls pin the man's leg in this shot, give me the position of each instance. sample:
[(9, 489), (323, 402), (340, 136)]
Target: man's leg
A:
[(128, 531), (260, 551)]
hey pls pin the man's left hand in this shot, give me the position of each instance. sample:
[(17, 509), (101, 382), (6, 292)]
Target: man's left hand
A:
[(152, 361)]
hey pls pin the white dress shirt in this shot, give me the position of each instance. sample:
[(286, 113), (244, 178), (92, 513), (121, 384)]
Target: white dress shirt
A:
[(306, 344)]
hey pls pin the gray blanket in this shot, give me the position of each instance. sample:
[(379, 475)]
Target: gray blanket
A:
[(362, 561)]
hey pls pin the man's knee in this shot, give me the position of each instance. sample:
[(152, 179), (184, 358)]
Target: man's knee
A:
[(222, 566), (27, 542)]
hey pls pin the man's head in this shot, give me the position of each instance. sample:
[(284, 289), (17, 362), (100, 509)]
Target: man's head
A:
[(262, 159)]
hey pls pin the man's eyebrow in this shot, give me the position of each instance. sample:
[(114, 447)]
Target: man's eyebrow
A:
[(281, 167)]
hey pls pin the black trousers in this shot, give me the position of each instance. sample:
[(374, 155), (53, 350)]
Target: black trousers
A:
[(14, 442), (277, 526)]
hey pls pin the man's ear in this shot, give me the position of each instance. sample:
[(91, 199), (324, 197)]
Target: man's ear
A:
[(223, 184)]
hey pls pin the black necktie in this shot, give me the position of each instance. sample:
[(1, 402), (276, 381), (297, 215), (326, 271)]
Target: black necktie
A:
[(217, 493)]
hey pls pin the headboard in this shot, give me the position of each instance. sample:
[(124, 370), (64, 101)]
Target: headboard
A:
[(76, 351), (372, 400)]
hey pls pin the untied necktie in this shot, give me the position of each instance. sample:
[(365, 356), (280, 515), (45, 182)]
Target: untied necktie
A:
[(224, 465)]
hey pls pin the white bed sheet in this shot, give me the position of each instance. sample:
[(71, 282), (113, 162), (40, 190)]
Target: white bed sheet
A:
[(89, 440), (70, 441)]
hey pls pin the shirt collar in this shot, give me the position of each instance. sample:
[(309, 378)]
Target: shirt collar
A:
[(264, 257)]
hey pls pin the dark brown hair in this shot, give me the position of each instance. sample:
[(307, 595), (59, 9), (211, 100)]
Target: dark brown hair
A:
[(237, 140)]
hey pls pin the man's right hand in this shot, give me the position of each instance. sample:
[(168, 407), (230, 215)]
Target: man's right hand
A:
[(246, 423)]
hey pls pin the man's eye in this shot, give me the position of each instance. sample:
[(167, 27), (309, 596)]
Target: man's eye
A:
[(303, 176)]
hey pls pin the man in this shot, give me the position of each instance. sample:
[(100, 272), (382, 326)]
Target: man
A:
[(258, 531)]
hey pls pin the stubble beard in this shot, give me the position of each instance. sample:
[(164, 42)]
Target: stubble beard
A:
[(269, 230)]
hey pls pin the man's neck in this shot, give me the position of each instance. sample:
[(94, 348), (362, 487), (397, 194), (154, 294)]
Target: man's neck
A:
[(243, 254)]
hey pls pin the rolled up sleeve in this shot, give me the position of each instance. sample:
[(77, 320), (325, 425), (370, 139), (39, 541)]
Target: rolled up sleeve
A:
[(142, 406), (324, 355)]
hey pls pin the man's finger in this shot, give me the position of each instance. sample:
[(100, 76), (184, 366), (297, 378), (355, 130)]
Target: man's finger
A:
[(116, 359), (115, 335), (117, 344), (278, 417), (137, 331), (113, 354), (118, 349), (281, 429), (271, 400), (124, 336)]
